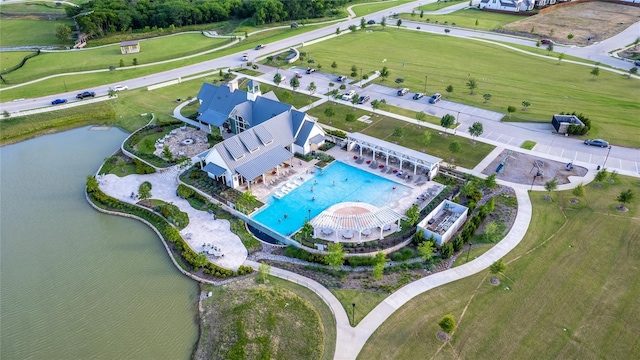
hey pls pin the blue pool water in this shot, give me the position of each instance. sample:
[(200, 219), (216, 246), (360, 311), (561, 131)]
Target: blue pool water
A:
[(337, 183)]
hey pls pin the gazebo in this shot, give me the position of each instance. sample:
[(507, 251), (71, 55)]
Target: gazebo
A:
[(350, 221)]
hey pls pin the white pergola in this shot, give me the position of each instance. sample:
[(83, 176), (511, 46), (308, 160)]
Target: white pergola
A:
[(330, 223), (361, 141)]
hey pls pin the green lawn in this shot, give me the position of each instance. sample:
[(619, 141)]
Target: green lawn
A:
[(40, 32), (33, 7), (152, 50), (467, 18), (528, 144), (610, 101), (365, 302), (366, 8), (9, 59), (570, 291), (296, 99), (383, 127), (438, 5)]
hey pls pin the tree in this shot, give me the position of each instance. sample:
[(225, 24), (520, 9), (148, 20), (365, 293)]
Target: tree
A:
[(399, 23), (426, 137), (112, 93), (354, 71), (353, 28), (421, 13), (579, 190), (263, 272), (454, 147), (570, 36), (625, 197), (200, 261), (490, 182), (398, 131), (384, 73), (426, 250), (350, 117), (595, 72), (472, 84), (92, 184), (121, 63), (476, 129), (334, 66), (307, 230), (549, 48), (144, 190), (277, 78), (447, 121), (449, 90), (498, 267), (633, 71), (337, 31), (135, 61), (335, 257), (62, 31), (560, 57), (383, 22), (294, 82), (354, 100), (491, 231), (378, 265), (329, 112), (551, 185), (511, 110), (246, 199), (413, 214), (375, 105), (421, 116), (525, 105), (167, 154), (477, 22), (538, 43), (363, 23), (601, 175), (447, 323), (486, 97), (312, 88), (446, 250)]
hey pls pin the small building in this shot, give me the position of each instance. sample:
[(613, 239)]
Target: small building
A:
[(443, 221), (562, 122), (507, 5), (130, 47)]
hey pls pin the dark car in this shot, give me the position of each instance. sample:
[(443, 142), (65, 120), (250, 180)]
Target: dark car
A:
[(85, 94), (363, 99), (435, 98), (261, 46), (310, 70), (417, 96), (371, 22), (546, 41), (342, 78), (636, 63), (58, 101), (596, 142)]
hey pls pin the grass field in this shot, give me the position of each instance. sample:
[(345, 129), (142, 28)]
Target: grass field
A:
[(40, 32), (439, 5), (33, 8), (610, 101), (152, 50), (245, 320), (365, 302), (366, 9), (9, 59), (467, 18), (570, 291), (411, 136)]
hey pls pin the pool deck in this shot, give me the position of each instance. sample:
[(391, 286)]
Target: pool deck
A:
[(303, 170)]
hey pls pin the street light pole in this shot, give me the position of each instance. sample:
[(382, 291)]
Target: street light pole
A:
[(468, 252), (607, 158), (309, 215), (353, 314), (425, 84), (361, 77)]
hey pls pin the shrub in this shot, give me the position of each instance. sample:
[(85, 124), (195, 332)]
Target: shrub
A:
[(355, 261), (446, 250), (457, 242), (185, 191), (142, 168), (244, 270)]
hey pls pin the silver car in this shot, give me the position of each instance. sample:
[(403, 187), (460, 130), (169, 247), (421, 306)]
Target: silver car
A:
[(596, 142)]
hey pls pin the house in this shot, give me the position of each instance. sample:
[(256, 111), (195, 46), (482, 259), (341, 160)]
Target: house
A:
[(562, 122), (507, 5), (267, 133), (129, 47), (443, 222)]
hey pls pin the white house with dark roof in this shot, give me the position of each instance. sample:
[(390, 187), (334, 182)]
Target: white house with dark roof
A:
[(267, 132), (508, 5)]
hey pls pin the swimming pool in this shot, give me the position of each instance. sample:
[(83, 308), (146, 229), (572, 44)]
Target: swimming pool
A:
[(337, 183)]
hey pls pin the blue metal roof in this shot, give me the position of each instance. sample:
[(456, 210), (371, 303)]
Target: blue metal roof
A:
[(214, 169), (303, 135)]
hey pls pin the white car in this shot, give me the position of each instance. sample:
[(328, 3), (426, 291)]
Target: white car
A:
[(120, 88), (245, 57), (349, 95)]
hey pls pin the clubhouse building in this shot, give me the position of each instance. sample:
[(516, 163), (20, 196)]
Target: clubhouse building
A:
[(265, 133)]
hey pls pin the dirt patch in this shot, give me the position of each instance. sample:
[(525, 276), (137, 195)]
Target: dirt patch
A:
[(598, 20), (520, 168)]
